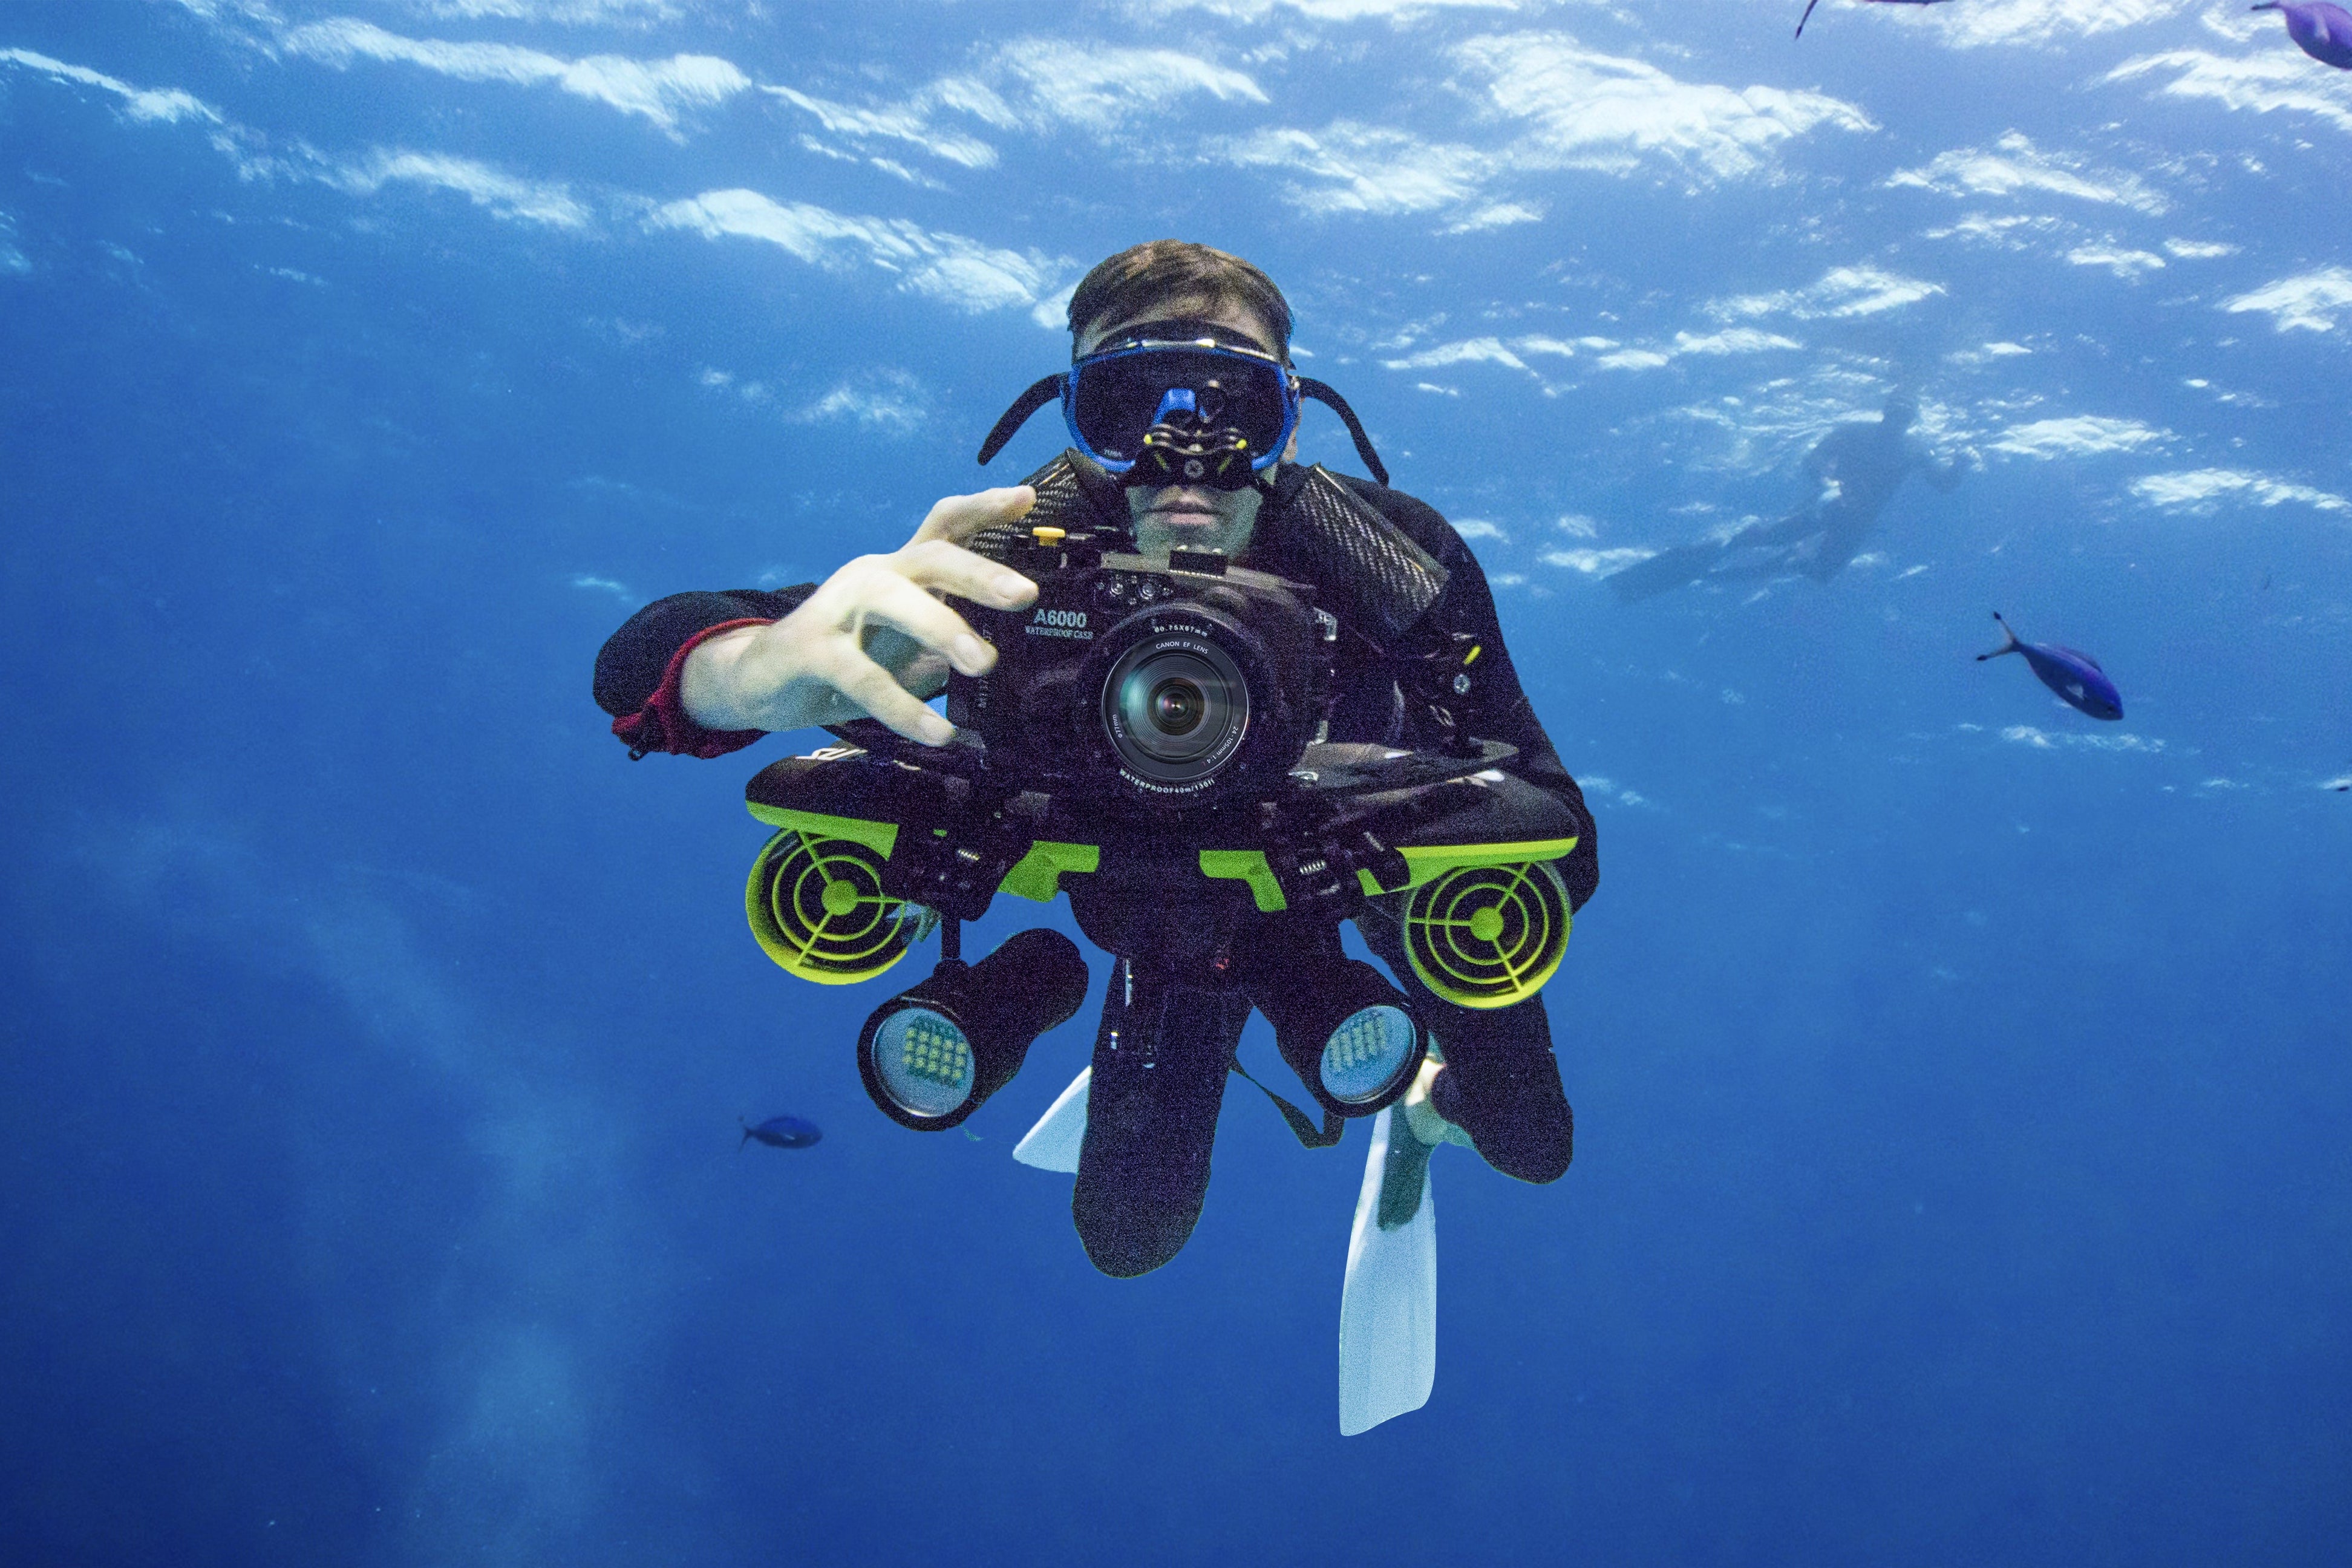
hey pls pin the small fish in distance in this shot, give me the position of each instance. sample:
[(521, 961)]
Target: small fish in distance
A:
[(1811, 4), (783, 1132), (2075, 677), (2321, 30)]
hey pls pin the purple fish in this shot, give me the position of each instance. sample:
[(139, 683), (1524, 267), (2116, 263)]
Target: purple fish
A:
[(2322, 31), (781, 1133), (2076, 676), (1811, 4)]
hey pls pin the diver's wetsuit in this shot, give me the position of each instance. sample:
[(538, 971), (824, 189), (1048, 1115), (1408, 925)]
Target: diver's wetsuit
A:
[(1167, 1037)]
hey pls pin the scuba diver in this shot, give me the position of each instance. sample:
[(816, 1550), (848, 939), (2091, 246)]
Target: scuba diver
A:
[(1855, 470), (1183, 405)]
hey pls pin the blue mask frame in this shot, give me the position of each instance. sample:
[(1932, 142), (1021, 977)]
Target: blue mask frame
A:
[(1192, 338)]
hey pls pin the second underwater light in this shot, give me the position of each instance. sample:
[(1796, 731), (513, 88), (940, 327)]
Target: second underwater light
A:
[(931, 1055)]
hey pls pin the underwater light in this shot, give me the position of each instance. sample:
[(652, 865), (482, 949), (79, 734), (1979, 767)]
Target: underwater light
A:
[(932, 1055), (1352, 1037)]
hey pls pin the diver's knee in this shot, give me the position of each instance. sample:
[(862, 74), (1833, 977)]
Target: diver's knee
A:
[(1124, 1239), (1535, 1150), (1545, 1157), (1516, 1112)]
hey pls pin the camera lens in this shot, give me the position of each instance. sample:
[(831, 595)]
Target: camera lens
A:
[(1177, 705), (1176, 709)]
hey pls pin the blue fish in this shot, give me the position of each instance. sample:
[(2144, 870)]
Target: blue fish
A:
[(2321, 30), (1811, 4), (783, 1132), (2076, 676)]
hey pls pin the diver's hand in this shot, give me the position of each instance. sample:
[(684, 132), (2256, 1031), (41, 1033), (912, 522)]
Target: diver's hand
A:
[(874, 639)]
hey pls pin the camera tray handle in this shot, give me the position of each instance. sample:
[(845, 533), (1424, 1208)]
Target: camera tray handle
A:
[(961, 757), (1335, 768), (956, 873)]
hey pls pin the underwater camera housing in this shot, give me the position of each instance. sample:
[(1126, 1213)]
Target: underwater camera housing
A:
[(1157, 688)]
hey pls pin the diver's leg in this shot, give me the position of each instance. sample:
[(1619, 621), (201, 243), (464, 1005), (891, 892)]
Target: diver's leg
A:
[(1764, 566), (1841, 540), (1499, 1083), (1162, 1054), (1795, 528), (1663, 572), (1764, 550)]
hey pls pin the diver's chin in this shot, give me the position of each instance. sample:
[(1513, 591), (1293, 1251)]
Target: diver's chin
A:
[(1188, 518)]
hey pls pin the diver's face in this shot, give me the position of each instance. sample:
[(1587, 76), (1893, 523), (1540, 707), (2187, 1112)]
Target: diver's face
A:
[(1194, 516)]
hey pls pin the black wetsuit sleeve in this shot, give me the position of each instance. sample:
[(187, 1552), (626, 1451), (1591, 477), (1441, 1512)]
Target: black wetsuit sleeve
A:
[(1498, 708), (630, 666)]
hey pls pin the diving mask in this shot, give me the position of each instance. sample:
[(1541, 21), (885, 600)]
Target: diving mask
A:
[(1179, 403)]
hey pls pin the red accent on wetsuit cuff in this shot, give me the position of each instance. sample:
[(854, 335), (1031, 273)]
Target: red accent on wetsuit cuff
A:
[(663, 723)]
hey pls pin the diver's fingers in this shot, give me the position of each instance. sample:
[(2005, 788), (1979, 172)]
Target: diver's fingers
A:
[(878, 691), (925, 675), (960, 517), (896, 601), (946, 568)]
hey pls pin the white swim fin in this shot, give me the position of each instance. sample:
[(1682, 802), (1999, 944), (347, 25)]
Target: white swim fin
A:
[(1388, 1305), (1053, 1145)]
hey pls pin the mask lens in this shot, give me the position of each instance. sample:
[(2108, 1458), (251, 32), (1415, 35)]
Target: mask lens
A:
[(1116, 398)]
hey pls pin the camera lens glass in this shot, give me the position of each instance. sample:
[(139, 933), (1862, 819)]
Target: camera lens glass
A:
[(1176, 709), (1177, 705)]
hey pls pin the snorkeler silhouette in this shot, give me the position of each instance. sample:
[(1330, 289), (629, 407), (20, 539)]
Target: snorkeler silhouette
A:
[(1856, 470)]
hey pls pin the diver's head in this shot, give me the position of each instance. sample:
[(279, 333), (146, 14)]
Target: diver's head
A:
[(1176, 290), (1165, 280)]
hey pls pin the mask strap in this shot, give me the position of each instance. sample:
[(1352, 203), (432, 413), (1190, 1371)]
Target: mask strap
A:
[(1310, 387), (1048, 390)]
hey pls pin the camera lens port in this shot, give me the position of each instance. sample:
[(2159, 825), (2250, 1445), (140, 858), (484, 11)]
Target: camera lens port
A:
[(1176, 707)]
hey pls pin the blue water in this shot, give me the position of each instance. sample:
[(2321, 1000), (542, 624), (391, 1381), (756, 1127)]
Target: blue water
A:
[(1962, 1085)]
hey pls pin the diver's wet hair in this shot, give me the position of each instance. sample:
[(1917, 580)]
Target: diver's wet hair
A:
[(1144, 278)]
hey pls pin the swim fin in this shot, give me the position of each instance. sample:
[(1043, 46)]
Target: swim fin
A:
[(1054, 1143), (1388, 1303)]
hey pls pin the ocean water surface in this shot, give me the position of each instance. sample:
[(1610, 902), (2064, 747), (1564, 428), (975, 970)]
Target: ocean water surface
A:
[(1962, 1083)]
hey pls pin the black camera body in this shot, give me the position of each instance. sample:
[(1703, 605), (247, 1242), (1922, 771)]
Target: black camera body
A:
[(1154, 688)]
